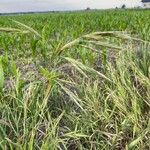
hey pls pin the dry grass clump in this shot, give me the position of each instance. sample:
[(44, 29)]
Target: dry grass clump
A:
[(91, 93)]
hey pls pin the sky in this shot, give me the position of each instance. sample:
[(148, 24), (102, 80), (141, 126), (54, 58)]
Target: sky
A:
[(53, 5)]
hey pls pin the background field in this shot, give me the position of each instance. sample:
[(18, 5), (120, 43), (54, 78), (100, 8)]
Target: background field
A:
[(75, 80)]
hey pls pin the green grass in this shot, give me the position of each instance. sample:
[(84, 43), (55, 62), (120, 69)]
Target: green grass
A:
[(75, 81)]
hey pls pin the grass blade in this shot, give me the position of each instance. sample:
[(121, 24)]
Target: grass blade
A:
[(72, 96), (1, 74), (12, 30), (27, 27), (85, 68)]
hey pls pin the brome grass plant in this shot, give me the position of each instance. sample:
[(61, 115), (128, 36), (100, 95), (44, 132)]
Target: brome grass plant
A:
[(75, 81)]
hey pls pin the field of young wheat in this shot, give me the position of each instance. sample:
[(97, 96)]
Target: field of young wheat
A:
[(75, 81)]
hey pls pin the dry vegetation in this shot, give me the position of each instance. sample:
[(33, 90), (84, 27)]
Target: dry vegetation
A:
[(75, 81)]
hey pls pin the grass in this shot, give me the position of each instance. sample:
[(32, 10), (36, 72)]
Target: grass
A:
[(78, 80)]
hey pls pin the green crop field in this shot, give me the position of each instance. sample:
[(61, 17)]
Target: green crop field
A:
[(75, 81)]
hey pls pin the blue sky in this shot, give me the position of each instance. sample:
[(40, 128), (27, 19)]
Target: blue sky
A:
[(44, 5)]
